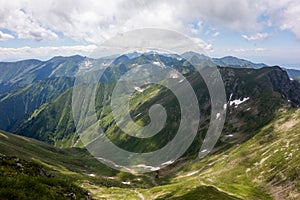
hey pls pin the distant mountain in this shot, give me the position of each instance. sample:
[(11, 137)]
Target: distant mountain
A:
[(293, 73), (19, 74), (228, 61), (237, 62)]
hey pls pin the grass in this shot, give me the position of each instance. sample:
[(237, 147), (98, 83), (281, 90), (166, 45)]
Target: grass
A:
[(21, 179), (265, 167)]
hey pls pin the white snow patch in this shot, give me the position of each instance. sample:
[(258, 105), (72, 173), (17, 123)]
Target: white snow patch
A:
[(174, 75), (168, 162), (192, 173), (225, 106), (218, 116), (139, 89), (151, 168), (248, 109), (230, 135), (158, 64), (126, 183), (237, 102), (204, 150), (92, 175)]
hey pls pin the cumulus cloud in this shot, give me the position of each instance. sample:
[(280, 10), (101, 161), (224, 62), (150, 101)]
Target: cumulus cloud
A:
[(290, 18), (5, 36), (257, 36), (11, 54), (14, 17), (95, 21)]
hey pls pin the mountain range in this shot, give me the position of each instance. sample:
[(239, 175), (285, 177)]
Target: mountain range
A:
[(256, 156)]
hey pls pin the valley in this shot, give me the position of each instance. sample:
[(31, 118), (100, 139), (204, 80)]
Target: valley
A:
[(256, 156)]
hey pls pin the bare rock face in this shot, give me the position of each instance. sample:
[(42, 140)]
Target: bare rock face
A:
[(289, 89)]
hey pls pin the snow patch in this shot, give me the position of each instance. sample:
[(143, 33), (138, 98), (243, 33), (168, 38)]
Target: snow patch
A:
[(174, 75), (156, 63), (237, 102), (151, 168), (126, 183), (204, 150), (92, 175), (192, 173), (139, 89), (168, 162)]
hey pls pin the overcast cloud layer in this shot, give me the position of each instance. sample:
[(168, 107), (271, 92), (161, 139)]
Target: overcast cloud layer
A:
[(95, 21)]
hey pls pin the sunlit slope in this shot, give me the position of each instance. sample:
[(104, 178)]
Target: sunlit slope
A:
[(265, 167)]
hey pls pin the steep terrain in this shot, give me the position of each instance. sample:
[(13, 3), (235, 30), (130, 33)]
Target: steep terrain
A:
[(53, 122), (20, 104), (256, 156), (31, 169), (264, 167)]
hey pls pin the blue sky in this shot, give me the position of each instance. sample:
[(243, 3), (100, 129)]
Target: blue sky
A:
[(261, 31)]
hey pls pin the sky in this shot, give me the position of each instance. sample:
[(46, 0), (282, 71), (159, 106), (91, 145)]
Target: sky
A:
[(265, 31)]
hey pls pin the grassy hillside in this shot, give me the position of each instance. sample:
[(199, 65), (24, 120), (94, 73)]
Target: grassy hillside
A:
[(53, 122), (31, 169), (265, 167), (19, 105)]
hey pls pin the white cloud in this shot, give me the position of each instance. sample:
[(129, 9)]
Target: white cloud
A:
[(257, 36), (216, 34), (247, 50), (15, 17), (95, 21), (5, 36), (284, 14), (10, 54), (291, 19)]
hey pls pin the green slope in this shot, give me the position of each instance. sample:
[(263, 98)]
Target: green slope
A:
[(53, 122), (30, 169), (265, 167), (19, 104)]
